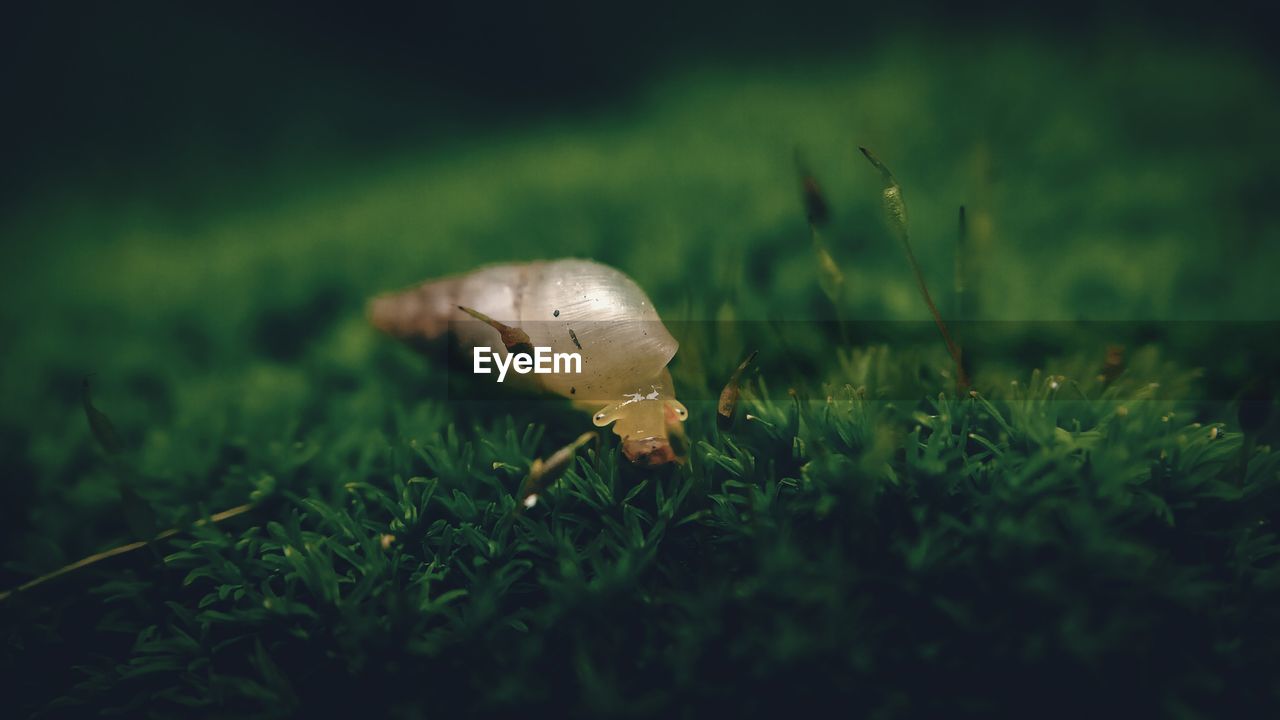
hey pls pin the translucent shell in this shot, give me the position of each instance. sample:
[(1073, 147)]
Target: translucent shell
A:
[(568, 307), (573, 306)]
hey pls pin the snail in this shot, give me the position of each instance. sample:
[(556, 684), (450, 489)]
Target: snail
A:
[(565, 307)]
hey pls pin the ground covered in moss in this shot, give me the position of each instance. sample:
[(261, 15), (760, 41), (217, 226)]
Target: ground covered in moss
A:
[(1071, 536)]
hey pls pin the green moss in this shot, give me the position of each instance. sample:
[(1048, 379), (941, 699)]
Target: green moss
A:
[(868, 539)]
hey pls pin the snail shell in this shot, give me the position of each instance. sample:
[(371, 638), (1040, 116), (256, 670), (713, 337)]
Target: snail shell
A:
[(568, 306)]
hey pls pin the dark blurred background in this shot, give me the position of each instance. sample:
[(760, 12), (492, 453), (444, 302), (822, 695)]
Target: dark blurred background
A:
[(115, 95)]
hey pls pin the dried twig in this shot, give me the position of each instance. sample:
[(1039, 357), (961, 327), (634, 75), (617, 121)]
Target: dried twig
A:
[(544, 472), (121, 551)]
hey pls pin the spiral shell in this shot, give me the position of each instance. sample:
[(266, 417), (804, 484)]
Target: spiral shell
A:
[(568, 306)]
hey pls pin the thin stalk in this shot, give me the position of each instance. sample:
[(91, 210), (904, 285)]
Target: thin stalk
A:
[(896, 209), (962, 240), (122, 550), (818, 213), (831, 280)]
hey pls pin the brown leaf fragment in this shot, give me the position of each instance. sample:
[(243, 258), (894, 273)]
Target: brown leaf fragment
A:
[(729, 396)]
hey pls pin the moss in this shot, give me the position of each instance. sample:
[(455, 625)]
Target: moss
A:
[(1052, 543)]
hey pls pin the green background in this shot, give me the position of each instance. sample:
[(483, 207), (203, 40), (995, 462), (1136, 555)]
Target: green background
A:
[(877, 542)]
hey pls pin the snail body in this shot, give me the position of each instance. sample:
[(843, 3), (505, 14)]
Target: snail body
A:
[(568, 306)]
